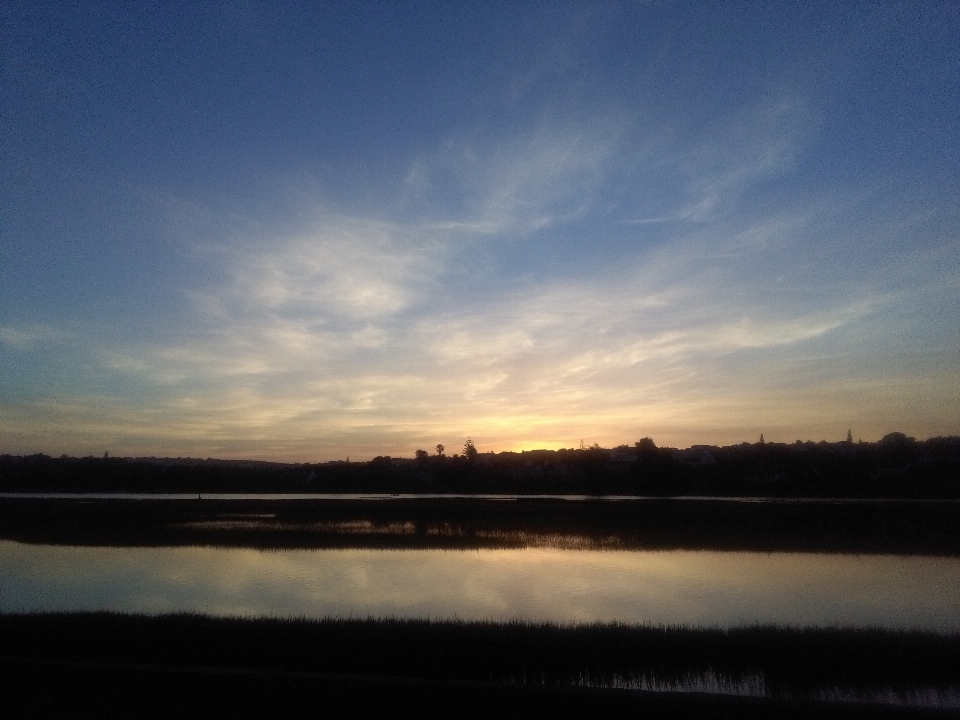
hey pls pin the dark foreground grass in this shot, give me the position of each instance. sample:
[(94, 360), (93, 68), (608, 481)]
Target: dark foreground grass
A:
[(390, 662), (50, 690)]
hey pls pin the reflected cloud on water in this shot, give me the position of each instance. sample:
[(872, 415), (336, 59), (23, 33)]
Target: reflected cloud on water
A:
[(698, 588)]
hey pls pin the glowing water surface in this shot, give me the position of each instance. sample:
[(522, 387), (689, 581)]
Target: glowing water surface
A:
[(705, 588)]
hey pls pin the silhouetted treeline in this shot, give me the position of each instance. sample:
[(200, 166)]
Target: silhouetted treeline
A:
[(896, 467)]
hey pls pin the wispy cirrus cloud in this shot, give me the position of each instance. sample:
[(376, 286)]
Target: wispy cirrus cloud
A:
[(345, 332), (513, 186), (285, 362), (349, 334), (589, 222), (26, 338), (699, 173), (349, 268)]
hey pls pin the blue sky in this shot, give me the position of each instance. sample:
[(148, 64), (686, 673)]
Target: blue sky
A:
[(307, 231)]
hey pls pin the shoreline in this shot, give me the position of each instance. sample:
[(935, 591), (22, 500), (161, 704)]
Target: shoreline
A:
[(892, 527)]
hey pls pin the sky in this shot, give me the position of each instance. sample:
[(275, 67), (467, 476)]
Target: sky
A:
[(316, 231)]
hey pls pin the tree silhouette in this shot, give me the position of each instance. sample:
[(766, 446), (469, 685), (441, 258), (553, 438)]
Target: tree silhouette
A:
[(421, 457), (469, 450), (646, 449), (440, 449)]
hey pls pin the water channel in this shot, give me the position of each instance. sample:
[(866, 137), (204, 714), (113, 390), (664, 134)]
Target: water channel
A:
[(677, 587)]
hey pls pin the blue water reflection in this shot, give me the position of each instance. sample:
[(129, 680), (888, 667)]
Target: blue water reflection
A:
[(706, 588)]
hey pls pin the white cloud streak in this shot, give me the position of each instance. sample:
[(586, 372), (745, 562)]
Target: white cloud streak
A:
[(357, 336), (26, 338)]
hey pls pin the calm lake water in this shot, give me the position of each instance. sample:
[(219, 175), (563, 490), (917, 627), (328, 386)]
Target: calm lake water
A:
[(705, 588), (499, 497)]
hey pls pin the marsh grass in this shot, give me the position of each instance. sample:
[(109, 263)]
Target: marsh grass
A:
[(853, 665)]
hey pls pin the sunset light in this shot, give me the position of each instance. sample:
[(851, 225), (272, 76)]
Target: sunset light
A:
[(304, 234)]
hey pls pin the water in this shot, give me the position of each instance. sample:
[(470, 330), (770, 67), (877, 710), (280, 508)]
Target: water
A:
[(464, 496), (698, 588)]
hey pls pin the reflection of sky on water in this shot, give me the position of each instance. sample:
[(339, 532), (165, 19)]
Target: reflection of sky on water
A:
[(669, 587)]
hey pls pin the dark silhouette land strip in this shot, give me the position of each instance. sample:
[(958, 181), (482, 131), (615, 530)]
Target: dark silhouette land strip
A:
[(903, 527), (895, 467)]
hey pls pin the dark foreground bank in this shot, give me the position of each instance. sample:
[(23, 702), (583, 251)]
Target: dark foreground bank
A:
[(175, 665), (901, 526)]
